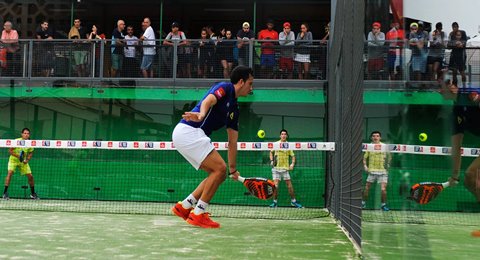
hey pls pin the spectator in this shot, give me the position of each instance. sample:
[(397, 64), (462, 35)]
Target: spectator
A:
[(118, 43), (459, 54), (80, 48), (44, 52), (395, 39), (268, 37), (205, 50), (438, 41), (457, 57), (179, 36), (9, 39), (376, 41), (304, 41), (131, 68), (417, 42), (93, 35), (149, 50), (225, 47), (287, 42), (244, 36), (327, 34)]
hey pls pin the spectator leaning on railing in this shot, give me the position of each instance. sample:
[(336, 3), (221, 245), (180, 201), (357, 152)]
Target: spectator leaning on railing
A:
[(10, 41), (438, 42), (287, 43), (302, 56), (44, 56), (376, 42), (395, 38)]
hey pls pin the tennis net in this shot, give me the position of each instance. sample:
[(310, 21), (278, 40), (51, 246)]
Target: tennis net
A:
[(142, 177), (411, 164)]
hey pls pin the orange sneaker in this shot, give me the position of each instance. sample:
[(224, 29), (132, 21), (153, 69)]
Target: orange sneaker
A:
[(203, 220), (180, 211)]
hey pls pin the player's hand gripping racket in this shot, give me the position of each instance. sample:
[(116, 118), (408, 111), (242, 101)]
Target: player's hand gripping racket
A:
[(259, 187), (425, 192)]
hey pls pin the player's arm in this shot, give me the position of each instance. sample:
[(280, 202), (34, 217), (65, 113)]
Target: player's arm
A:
[(272, 157), (207, 103), (293, 162), (457, 140), (29, 157), (365, 156), (12, 153), (232, 151)]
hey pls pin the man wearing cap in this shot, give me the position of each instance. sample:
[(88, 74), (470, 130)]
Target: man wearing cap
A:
[(376, 39), (268, 37), (417, 42), (287, 41), (244, 36)]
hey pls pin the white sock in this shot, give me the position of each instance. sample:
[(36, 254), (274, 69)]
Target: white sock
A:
[(383, 204), (200, 208), (275, 201), (294, 200), (189, 202)]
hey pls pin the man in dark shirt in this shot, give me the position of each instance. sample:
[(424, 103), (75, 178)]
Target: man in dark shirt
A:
[(44, 50), (244, 36), (118, 44)]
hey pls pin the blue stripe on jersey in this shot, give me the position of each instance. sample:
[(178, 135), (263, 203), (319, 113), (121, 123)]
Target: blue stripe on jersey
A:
[(224, 113)]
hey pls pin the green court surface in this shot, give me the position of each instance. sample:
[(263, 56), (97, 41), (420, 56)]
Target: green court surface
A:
[(65, 235)]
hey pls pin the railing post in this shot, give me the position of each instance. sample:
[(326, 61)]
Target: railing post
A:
[(175, 60), (102, 57), (250, 53), (30, 58), (93, 58)]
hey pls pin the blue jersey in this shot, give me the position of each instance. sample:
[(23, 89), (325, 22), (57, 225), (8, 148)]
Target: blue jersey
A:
[(223, 113)]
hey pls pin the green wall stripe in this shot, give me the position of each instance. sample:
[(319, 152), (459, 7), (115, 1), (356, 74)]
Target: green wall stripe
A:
[(260, 95)]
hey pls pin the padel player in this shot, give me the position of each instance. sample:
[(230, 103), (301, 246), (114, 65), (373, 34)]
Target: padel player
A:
[(280, 161), (19, 158), (216, 110), (466, 118)]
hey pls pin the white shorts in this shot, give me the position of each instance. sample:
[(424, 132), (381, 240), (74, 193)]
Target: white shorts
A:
[(279, 174), (380, 177), (192, 143), (302, 58)]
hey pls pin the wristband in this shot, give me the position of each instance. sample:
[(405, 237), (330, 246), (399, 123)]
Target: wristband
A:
[(233, 172)]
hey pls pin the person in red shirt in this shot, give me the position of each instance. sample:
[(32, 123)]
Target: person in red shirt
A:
[(268, 38), (395, 38)]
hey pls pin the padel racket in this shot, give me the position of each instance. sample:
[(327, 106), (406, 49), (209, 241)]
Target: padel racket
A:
[(425, 192), (259, 187), (21, 156)]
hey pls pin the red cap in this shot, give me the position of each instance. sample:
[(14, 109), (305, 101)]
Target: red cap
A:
[(286, 24), (376, 24)]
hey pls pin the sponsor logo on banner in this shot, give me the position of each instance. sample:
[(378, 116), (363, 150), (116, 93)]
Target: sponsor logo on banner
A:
[(8, 142), (21, 142), (33, 143), (135, 145), (312, 145), (97, 144), (59, 143), (110, 144), (215, 145), (45, 143), (226, 145), (270, 145), (243, 145), (445, 150), (393, 147), (148, 145), (284, 145), (298, 145), (461, 151), (162, 145), (257, 145), (377, 147), (172, 145), (123, 144), (364, 146), (432, 150), (418, 149), (84, 144), (475, 151), (71, 144)]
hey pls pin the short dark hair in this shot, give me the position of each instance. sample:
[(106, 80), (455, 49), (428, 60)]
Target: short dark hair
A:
[(439, 25), (375, 132), (240, 72), (455, 24), (26, 128), (284, 130)]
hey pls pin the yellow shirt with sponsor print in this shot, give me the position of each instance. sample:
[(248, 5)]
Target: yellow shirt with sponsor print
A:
[(17, 150), (282, 158), (376, 161)]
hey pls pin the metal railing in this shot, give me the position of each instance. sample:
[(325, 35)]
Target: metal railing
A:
[(192, 58)]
